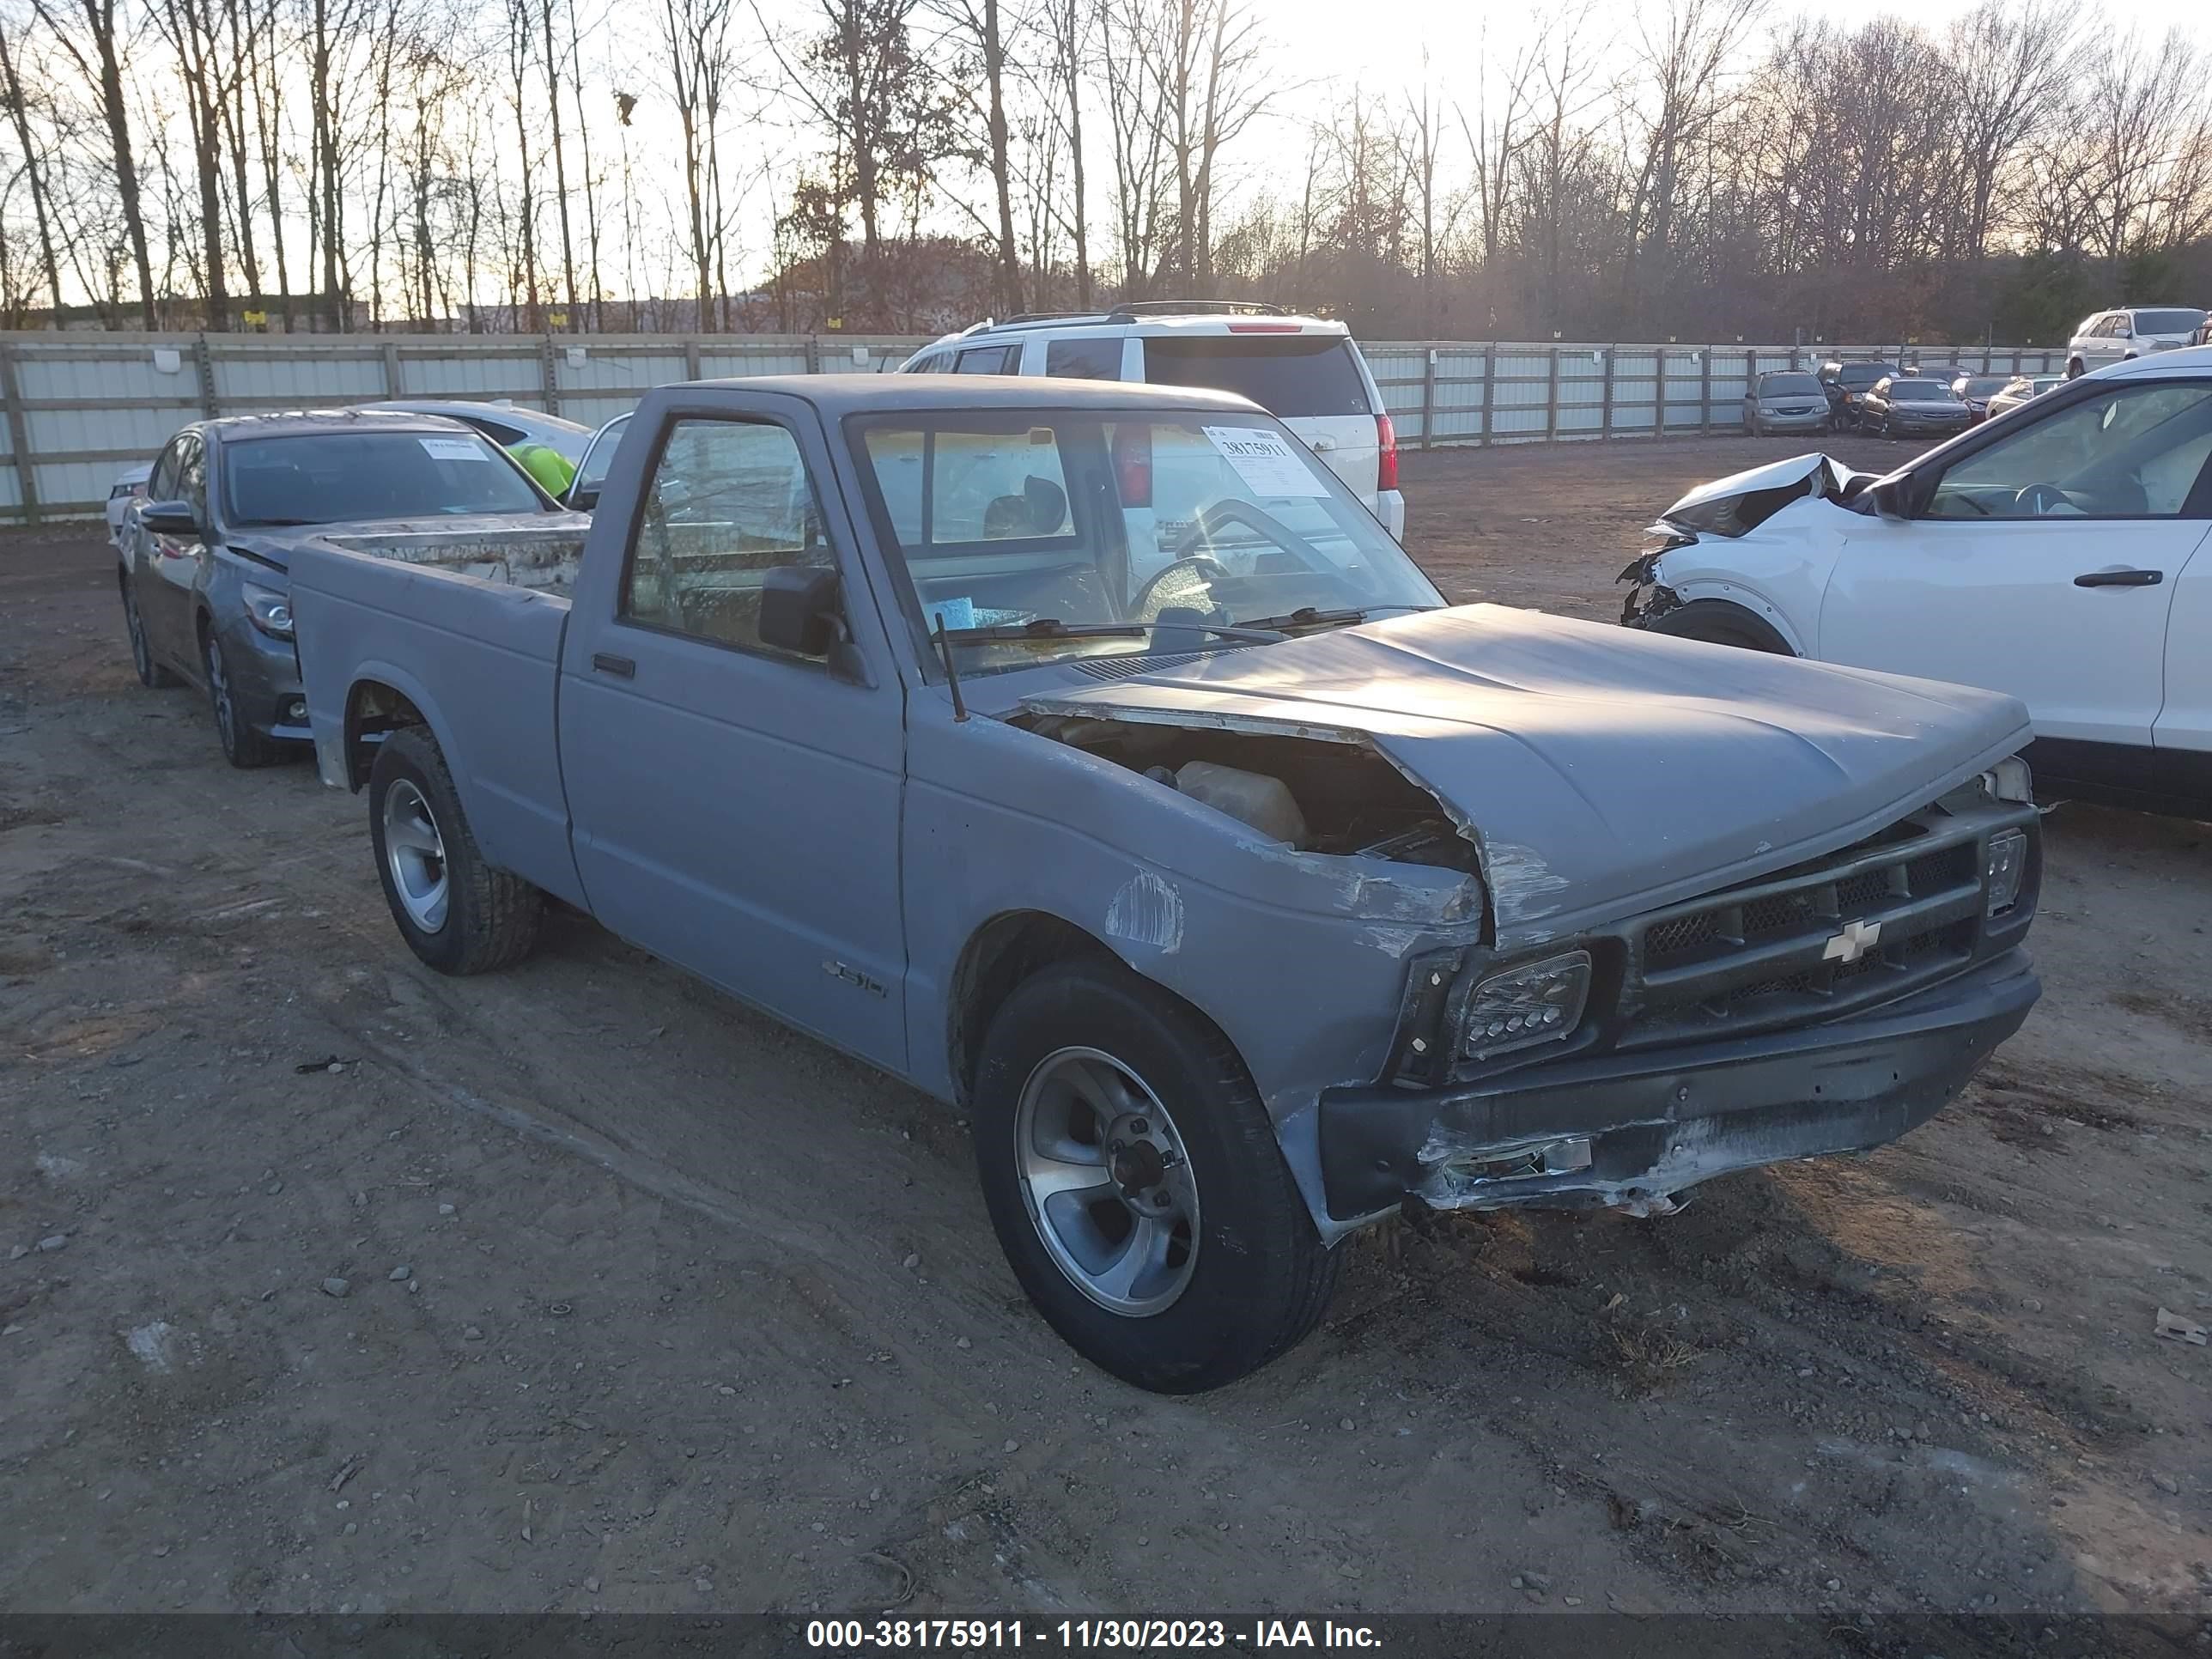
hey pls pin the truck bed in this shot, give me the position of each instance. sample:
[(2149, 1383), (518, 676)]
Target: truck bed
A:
[(468, 630)]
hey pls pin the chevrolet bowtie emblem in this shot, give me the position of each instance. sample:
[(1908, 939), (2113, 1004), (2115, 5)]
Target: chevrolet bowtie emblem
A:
[(1855, 941)]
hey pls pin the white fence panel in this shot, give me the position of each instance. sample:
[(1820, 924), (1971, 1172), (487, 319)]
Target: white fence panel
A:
[(76, 407)]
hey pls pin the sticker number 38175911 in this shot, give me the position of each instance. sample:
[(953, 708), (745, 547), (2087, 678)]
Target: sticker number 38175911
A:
[(1265, 461)]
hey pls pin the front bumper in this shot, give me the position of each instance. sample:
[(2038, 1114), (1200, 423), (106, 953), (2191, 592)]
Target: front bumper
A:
[(1811, 421), (265, 682), (1658, 1121)]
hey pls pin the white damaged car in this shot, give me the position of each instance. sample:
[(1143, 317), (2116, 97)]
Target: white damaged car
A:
[(2059, 554)]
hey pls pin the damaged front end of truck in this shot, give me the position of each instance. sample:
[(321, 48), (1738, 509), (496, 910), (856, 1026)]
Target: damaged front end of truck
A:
[(1648, 921)]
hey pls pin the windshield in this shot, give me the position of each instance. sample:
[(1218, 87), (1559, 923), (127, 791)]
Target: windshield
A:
[(1920, 391), (1864, 373), (342, 477), (1984, 385), (1789, 386), (1130, 521), (2177, 320), (1290, 375)]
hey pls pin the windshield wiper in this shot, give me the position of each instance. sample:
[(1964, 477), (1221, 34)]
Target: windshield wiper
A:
[(1043, 628), (280, 524), (1305, 616)]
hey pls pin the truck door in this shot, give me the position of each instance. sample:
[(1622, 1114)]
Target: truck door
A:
[(735, 808)]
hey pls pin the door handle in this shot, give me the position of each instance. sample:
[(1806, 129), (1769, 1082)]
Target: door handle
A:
[(2120, 579), (607, 663)]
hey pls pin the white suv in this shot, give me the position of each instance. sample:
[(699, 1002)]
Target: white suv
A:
[(1305, 372), (2113, 336)]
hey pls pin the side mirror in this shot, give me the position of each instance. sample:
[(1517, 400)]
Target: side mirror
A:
[(1889, 499), (170, 518), (581, 497), (798, 609)]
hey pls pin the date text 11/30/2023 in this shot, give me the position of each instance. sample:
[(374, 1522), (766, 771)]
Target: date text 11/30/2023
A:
[(1084, 1635)]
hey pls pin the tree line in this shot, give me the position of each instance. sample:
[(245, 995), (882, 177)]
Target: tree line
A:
[(1697, 169)]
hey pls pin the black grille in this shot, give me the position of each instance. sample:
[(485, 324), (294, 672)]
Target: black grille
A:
[(1898, 911)]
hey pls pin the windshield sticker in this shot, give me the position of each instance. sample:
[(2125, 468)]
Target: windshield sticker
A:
[(952, 615), (1268, 465), (963, 612), (453, 449)]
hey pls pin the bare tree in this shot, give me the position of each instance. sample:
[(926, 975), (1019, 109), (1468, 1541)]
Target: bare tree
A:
[(18, 101), (98, 59)]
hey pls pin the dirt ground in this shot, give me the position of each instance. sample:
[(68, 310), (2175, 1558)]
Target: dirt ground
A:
[(329, 1284)]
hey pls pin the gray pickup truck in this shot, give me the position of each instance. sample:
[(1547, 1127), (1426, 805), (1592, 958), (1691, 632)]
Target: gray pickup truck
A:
[(1087, 756)]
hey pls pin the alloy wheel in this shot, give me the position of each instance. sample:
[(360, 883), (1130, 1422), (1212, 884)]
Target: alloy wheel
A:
[(1107, 1181), (415, 853)]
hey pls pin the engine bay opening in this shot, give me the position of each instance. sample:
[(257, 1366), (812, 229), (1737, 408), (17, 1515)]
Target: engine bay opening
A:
[(1319, 796)]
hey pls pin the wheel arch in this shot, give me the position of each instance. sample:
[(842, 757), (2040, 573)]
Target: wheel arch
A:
[(1005, 949), (382, 698), (1758, 615)]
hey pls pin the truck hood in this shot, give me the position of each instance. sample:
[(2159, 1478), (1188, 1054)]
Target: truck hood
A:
[(461, 541), (1599, 770)]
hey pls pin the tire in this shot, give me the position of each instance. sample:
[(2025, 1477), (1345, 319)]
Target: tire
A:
[(242, 746), (151, 674), (457, 913), (1253, 1277), (1716, 621)]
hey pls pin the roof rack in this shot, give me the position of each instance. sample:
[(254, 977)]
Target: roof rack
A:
[(1130, 310)]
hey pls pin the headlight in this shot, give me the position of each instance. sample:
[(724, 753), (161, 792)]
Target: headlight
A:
[(2008, 780), (1538, 1002), (268, 610), (2002, 866)]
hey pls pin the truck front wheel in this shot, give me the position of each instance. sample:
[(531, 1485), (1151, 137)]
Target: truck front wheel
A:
[(1134, 1181), (457, 913)]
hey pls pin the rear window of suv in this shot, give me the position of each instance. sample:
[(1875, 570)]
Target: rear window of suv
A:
[(2167, 322), (1289, 375)]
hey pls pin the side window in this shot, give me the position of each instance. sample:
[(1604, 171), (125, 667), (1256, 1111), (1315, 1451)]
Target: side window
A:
[(191, 476), (990, 360), (1084, 360), (2135, 453), (965, 488), (729, 502), (162, 486)]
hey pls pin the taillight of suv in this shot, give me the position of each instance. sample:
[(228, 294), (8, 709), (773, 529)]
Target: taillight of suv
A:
[(1386, 455)]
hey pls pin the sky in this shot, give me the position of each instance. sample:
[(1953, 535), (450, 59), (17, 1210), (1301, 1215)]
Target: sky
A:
[(1312, 36)]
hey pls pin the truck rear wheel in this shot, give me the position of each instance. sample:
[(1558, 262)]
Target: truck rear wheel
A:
[(458, 914), (1134, 1181)]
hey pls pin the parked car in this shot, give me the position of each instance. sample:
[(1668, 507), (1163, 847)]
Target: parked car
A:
[(502, 423), (2059, 555), (1975, 390), (2019, 389), (128, 489), (1784, 400), (2114, 337), (592, 470), (1905, 405), (1847, 385), (1948, 374), (1308, 373), (548, 446), (229, 504), (1235, 894)]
